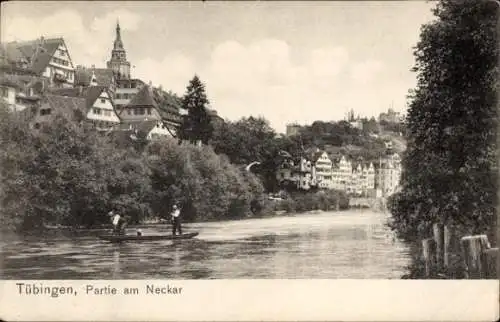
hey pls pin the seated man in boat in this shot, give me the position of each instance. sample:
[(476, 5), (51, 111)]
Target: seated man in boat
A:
[(176, 220)]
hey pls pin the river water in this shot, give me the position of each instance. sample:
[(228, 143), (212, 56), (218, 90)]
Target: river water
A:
[(352, 244)]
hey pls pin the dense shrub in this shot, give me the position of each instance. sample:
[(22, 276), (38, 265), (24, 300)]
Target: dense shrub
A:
[(207, 185), (66, 173), (319, 200)]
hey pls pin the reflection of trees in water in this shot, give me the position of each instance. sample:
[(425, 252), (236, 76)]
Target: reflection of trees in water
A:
[(116, 264)]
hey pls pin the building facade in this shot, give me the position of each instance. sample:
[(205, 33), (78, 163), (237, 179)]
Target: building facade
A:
[(100, 109), (298, 173), (391, 116), (292, 129), (323, 166), (389, 174)]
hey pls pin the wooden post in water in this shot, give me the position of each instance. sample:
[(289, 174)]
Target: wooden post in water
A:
[(491, 260), (429, 255), (446, 243), (474, 253), (437, 230)]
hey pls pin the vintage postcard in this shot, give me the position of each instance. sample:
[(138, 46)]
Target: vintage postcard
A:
[(249, 160)]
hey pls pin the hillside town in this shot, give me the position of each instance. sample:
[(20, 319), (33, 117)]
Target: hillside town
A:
[(356, 178), (40, 77)]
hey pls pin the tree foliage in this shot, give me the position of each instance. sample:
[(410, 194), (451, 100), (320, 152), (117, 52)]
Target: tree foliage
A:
[(196, 125), (66, 173), (250, 140), (450, 166), (207, 185)]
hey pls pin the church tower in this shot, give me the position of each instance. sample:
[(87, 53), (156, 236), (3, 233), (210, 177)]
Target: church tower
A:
[(118, 62)]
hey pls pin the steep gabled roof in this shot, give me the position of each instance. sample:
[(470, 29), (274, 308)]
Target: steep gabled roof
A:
[(6, 80), (23, 82), (71, 92), (90, 94), (65, 103), (143, 98), (83, 76), (42, 54), (146, 126), (316, 155), (10, 53), (37, 52)]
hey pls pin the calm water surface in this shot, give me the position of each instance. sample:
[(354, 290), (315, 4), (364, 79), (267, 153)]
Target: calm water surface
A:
[(351, 244)]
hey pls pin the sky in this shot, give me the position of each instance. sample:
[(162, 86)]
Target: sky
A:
[(290, 62)]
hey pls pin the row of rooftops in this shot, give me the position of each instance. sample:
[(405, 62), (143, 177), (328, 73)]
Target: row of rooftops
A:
[(314, 154), (32, 56), (23, 63)]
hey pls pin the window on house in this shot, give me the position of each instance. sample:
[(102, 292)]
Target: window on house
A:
[(103, 100), (97, 111), (129, 112), (149, 110)]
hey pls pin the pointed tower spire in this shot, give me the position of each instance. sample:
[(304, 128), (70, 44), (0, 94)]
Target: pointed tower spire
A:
[(118, 45), (118, 62)]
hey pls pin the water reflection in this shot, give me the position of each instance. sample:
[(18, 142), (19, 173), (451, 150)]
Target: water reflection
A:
[(328, 245)]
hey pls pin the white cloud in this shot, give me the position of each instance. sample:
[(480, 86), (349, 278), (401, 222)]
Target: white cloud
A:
[(24, 28), (128, 21), (88, 44), (260, 78), (173, 72), (364, 72), (328, 62)]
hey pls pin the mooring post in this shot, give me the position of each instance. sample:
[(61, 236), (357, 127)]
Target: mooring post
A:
[(474, 250), (491, 262), (447, 244), (428, 252), (437, 230)]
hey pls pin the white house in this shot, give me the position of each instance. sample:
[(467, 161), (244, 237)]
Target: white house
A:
[(49, 58), (323, 166), (100, 107)]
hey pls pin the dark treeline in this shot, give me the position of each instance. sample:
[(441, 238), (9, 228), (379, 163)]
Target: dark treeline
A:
[(67, 173), (450, 169)]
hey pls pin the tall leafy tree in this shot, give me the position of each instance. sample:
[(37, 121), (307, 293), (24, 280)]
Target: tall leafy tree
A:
[(450, 168), (196, 125)]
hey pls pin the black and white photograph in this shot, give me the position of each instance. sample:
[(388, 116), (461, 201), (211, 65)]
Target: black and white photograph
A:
[(247, 140)]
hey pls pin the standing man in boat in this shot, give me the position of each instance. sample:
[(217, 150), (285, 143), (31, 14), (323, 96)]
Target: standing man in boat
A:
[(176, 220), (115, 220), (119, 222)]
